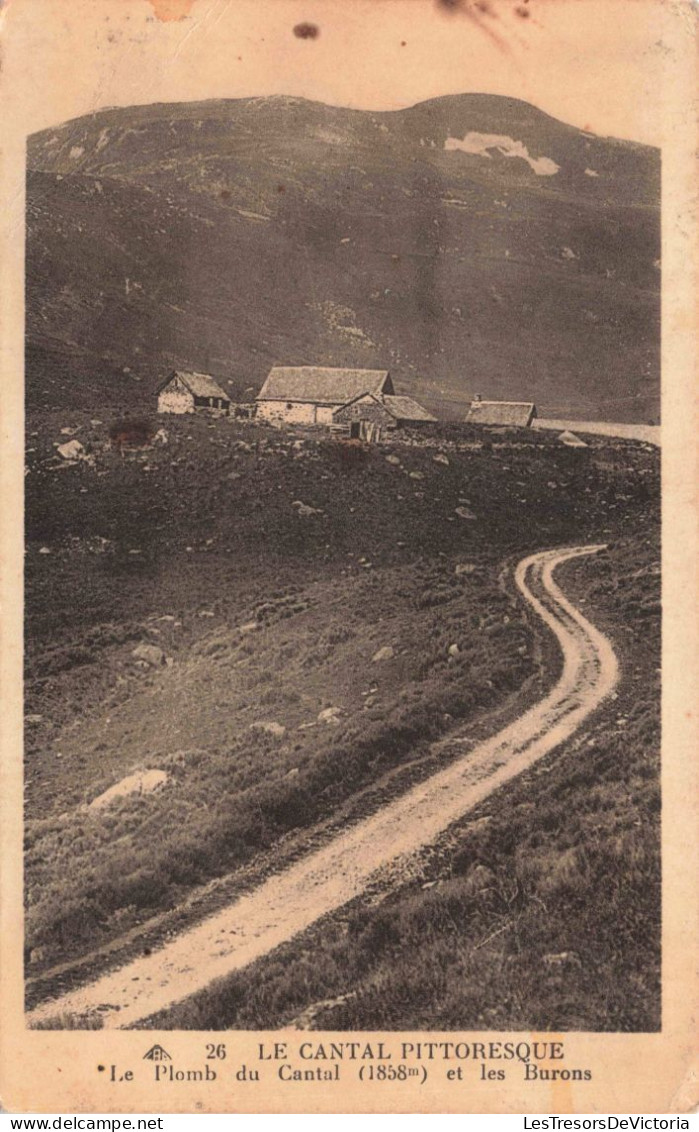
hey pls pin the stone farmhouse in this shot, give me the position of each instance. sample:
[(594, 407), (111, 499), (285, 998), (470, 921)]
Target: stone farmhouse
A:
[(357, 403), (505, 414), (184, 392), (309, 395)]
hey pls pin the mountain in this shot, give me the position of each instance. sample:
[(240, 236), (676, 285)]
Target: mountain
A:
[(470, 244)]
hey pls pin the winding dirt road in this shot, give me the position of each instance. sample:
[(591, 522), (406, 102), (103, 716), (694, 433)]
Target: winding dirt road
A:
[(327, 878)]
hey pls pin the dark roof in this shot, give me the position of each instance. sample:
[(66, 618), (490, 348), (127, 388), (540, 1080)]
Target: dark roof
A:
[(514, 413), (322, 385), (198, 384)]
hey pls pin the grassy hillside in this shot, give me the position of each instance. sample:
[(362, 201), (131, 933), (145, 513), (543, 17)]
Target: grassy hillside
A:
[(539, 911), (229, 236), (270, 568)]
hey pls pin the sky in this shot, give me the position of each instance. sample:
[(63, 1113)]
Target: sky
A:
[(601, 65)]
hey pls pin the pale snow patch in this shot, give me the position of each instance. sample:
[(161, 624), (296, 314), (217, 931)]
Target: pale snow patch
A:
[(480, 144)]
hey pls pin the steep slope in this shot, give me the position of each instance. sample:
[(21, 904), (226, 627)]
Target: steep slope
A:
[(471, 243)]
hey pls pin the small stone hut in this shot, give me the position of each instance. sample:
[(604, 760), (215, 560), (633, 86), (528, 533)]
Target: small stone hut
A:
[(370, 415), (184, 392)]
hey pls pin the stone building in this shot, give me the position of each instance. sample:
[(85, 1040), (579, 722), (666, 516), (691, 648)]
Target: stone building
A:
[(309, 395), (184, 392)]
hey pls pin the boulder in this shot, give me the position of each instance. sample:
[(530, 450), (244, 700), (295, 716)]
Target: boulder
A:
[(141, 782), (561, 959), (440, 458), (453, 650), (385, 653), (571, 440), (269, 727), (464, 513), (393, 460), (72, 450), (464, 568), (330, 715), (304, 509), (150, 655)]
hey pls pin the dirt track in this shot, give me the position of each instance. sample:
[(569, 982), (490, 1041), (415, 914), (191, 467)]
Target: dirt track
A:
[(289, 902)]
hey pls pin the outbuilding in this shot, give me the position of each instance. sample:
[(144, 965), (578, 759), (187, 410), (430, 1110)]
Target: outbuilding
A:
[(505, 414), (187, 392), (370, 415)]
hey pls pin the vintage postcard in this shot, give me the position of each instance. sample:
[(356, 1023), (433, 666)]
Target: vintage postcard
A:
[(349, 572)]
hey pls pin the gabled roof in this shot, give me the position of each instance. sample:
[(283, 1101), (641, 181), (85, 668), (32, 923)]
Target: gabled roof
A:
[(515, 413), (400, 408), (405, 409), (322, 384), (198, 384)]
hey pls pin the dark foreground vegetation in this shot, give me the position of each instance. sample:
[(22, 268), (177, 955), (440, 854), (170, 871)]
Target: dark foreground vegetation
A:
[(539, 911), (269, 569)]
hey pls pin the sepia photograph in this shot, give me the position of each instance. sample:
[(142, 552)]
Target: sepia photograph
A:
[(342, 540)]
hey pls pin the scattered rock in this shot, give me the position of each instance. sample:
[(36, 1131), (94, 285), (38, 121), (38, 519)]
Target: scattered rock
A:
[(248, 627), (440, 458), (73, 450), (571, 440), (206, 613), (269, 728), (393, 460), (33, 718), (160, 437), (330, 715), (562, 959), (385, 653), (96, 422), (37, 954), (464, 513), (149, 654), (305, 510), (464, 568), (45, 550), (142, 782), (417, 475)]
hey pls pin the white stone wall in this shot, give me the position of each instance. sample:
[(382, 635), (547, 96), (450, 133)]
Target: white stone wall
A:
[(175, 401), (299, 412)]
